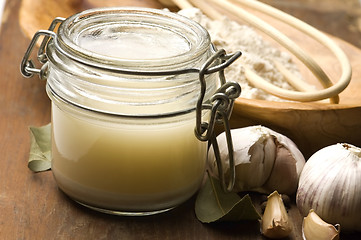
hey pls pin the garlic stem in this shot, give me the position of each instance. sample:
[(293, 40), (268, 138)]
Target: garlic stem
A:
[(354, 150)]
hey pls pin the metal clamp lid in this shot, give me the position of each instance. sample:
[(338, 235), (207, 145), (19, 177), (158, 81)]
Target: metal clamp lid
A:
[(220, 105)]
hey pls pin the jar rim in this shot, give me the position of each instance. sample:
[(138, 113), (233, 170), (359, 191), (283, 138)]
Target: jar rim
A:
[(70, 29)]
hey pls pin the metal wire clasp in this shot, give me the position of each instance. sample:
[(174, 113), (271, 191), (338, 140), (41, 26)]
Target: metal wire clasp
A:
[(27, 67), (220, 107)]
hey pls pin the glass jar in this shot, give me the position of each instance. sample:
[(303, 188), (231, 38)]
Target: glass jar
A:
[(126, 86)]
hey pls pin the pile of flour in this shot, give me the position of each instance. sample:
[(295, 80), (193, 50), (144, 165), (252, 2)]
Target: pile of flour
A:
[(257, 54)]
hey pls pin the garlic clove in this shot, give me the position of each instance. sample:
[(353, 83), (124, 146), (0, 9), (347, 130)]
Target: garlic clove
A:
[(314, 228), (254, 154), (284, 177), (275, 222), (264, 160), (256, 171), (293, 150)]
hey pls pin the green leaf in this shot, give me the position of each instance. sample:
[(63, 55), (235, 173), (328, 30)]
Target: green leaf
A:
[(40, 148), (213, 204)]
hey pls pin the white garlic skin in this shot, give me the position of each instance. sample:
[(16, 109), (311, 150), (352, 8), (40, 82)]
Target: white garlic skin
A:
[(255, 153), (330, 183)]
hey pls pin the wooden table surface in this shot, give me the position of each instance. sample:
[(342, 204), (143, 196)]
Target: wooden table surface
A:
[(32, 207)]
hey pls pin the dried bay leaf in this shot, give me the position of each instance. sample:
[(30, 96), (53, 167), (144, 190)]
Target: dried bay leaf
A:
[(213, 204), (40, 148)]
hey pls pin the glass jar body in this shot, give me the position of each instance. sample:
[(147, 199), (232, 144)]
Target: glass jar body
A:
[(125, 165), (125, 143)]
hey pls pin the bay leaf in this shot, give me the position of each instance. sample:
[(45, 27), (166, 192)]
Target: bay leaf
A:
[(40, 148), (213, 204)]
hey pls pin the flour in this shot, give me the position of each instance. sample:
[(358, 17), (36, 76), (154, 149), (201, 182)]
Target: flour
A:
[(257, 54)]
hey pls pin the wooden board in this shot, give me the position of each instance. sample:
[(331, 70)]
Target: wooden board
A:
[(32, 207)]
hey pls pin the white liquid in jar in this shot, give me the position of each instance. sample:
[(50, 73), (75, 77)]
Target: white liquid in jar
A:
[(126, 166), (111, 162)]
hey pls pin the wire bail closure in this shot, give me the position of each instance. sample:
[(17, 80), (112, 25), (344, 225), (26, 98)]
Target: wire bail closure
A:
[(220, 112), (27, 67), (219, 107)]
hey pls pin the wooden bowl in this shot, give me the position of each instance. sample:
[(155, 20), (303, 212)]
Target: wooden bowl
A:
[(311, 125)]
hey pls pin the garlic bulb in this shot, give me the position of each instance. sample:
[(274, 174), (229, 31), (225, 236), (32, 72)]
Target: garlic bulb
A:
[(265, 160), (330, 183), (275, 222), (314, 228)]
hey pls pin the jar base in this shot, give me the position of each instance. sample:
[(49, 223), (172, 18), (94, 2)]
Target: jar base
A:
[(125, 213)]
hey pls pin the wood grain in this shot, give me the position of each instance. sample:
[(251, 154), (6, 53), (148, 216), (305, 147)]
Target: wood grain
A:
[(310, 126), (32, 207)]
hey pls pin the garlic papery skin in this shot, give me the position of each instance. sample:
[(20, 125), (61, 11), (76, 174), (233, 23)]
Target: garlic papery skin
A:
[(330, 183), (254, 154), (275, 222), (314, 228), (287, 166), (265, 160)]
